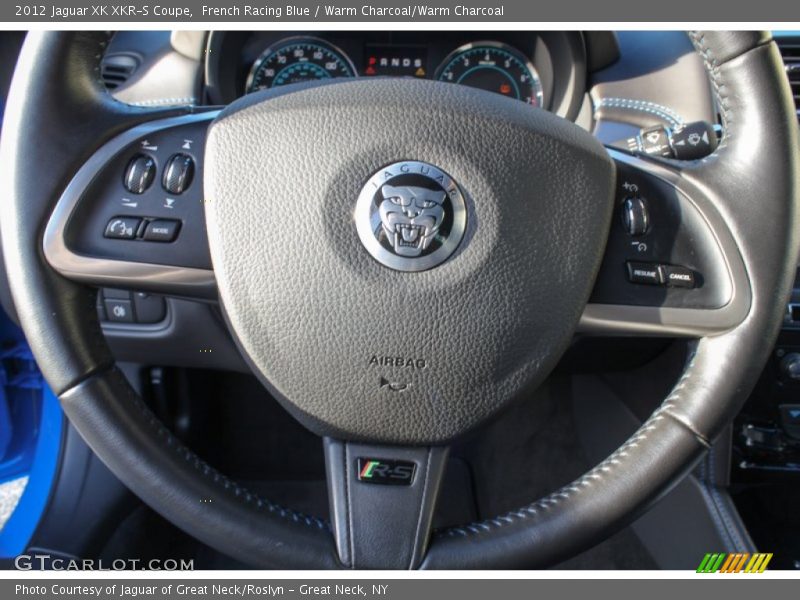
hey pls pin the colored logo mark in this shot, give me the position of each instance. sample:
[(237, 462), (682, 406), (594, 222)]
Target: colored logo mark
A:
[(368, 468), (385, 472), (739, 562)]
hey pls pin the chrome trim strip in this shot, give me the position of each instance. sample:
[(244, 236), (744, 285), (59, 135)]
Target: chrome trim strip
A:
[(182, 281), (612, 319), (624, 320)]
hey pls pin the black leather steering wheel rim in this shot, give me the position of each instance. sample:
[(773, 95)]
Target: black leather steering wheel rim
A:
[(57, 101)]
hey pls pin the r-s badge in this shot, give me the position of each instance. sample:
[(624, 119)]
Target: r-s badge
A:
[(385, 472)]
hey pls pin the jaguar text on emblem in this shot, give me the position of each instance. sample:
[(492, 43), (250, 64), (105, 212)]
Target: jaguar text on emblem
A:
[(411, 216)]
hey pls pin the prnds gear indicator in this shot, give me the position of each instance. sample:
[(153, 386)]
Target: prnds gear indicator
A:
[(396, 61)]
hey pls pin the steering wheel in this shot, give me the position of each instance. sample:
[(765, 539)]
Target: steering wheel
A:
[(397, 261)]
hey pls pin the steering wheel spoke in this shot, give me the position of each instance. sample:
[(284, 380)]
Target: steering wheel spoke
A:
[(671, 266), (133, 217), (382, 500)]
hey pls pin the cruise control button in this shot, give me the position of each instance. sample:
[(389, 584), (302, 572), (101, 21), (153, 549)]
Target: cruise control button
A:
[(122, 228), (635, 218), (647, 273), (162, 230), (678, 276), (120, 311)]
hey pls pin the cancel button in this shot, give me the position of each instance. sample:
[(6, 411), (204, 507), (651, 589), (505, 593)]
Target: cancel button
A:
[(678, 276)]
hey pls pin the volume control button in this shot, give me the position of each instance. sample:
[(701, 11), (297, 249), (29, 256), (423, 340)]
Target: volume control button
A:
[(139, 174)]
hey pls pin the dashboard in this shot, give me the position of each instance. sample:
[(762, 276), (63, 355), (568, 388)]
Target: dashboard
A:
[(545, 69)]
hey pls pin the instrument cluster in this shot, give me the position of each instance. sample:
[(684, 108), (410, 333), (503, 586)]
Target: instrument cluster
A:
[(543, 69)]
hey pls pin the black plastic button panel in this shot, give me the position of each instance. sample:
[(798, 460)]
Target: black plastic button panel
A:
[(655, 274), (667, 258), (150, 230), (124, 306), (156, 225)]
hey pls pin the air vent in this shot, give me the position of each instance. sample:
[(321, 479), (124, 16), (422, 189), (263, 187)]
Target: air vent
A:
[(117, 68), (790, 50)]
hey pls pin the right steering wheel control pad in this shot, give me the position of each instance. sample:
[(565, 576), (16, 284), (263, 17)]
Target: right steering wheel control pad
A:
[(661, 250)]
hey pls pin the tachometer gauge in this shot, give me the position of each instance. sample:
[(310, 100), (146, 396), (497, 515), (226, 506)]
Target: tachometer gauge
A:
[(292, 60), (494, 67)]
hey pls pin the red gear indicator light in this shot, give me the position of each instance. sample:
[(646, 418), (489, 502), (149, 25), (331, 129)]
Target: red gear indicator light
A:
[(396, 61)]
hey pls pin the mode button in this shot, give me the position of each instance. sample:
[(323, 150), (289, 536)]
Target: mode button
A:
[(162, 230)]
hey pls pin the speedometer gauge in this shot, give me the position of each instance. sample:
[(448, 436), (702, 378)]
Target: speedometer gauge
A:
[(298, 59), (494, 67)]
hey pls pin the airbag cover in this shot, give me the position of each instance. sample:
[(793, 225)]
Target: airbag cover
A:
[(358, 350)]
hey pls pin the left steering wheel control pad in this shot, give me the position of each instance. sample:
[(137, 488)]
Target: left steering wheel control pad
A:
[(358, 350), (149, 192)]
